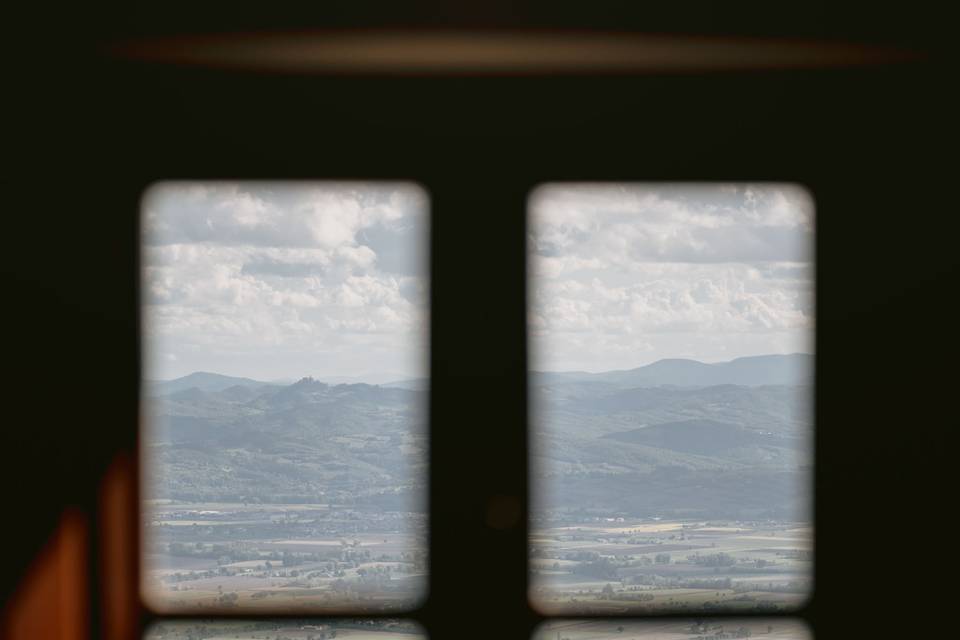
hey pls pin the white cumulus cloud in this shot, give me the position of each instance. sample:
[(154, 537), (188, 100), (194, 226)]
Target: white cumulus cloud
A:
[(281, 280), (626, 274)]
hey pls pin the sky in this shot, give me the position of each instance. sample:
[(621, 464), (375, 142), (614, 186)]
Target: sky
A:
[(277, 281), (623, 275)]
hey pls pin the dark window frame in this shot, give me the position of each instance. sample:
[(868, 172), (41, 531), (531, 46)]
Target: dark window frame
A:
[(505, 442)]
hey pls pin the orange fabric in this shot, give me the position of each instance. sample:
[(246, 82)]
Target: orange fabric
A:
[(53, 600), (117, 550)]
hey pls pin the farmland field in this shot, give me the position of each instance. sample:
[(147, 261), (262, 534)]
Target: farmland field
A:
[(677, 565), (297, 556)]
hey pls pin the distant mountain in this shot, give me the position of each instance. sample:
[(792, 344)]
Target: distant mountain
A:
[(214, 382), (792, 369), (676, 438), (208, 382)]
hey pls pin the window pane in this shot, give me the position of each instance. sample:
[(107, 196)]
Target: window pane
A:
[(284, 396), (671, 397), (673, 629), (380, 629)]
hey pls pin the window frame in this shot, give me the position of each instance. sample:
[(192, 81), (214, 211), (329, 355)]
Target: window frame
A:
[(516, 527), (514, 152)]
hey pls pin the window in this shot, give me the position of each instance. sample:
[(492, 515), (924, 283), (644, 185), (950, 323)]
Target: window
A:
[(285, 398), (671, 398), (285, 393)]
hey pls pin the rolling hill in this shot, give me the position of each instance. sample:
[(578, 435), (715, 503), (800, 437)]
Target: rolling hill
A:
[(201, 380), (792, 369), (677, 437)]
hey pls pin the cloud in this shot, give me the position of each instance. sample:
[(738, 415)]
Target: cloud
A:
[(271, 278), (275, 214), (692, 224), (624, 274)]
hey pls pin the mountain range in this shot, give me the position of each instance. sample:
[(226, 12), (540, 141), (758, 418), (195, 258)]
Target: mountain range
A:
[(790, 369), (674, 438), (677, 438)]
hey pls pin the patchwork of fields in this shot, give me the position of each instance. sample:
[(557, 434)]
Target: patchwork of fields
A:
[(635, 566), (311, 557)]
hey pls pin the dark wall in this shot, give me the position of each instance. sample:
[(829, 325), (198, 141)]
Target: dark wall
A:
[(873, 144)]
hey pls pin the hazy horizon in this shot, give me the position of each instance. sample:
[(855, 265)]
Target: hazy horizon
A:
[(396, 377), (700, 360)]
